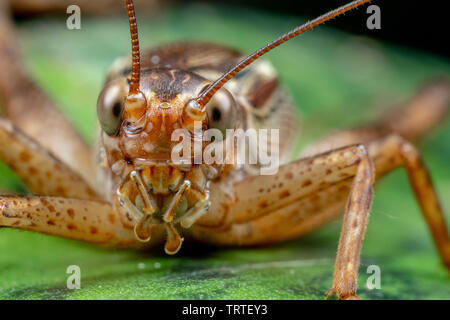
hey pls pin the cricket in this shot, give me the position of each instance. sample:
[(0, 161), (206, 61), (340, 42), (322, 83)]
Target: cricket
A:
[(128, 191)]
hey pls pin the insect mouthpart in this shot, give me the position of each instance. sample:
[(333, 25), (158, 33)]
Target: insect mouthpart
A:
[(163, 194)]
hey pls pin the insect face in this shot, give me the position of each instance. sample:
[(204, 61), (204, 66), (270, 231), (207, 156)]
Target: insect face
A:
[(138, 141), (145, 136)]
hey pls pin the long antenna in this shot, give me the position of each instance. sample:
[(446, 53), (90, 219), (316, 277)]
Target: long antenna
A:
[(135, 102), (135, 53), (204, 98)]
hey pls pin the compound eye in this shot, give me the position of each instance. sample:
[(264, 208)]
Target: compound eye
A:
[(221, 111), (110, 106)]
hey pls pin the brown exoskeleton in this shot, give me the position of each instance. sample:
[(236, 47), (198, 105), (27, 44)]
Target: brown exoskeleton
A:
[(138, 196)]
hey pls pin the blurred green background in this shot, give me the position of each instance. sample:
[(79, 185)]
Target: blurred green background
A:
[(337, 80)]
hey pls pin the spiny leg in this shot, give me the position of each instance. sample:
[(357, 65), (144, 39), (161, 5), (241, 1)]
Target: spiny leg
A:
[(85, 220), (32, 111), (309, 211), (354, 225), (256, 196), (43, 173)]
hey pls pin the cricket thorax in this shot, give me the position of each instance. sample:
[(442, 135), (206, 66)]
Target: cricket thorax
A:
[(150, 187)]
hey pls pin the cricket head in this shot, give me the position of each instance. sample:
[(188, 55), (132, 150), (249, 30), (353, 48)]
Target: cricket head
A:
[(157, 122), (150, 126), (149, 138)]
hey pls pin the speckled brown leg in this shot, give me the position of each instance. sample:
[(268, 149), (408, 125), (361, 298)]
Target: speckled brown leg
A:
[(268, 209), (43, 173), (86, 220), (354, 225)]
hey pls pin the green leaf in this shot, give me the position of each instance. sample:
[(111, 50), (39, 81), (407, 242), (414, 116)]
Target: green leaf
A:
[(336, 79)]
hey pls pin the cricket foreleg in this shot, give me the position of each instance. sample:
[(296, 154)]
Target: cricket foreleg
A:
[(85, 220), (43, 173), (353, 229)]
